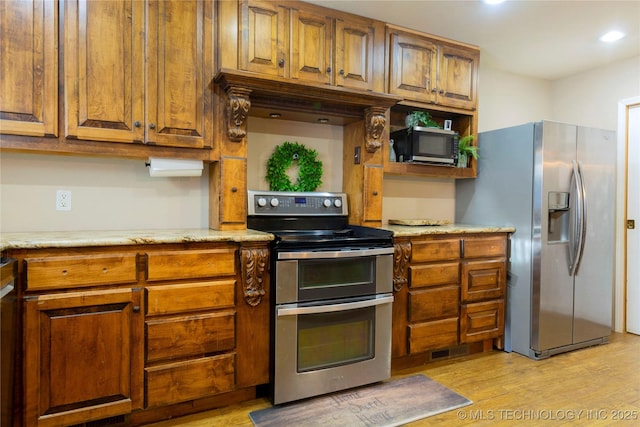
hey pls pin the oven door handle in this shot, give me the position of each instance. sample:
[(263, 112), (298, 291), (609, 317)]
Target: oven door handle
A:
[(332, 308), (346, 253)]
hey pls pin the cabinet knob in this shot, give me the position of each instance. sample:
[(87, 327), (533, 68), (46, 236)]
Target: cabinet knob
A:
[(375, 193), (434, 90), (152, 126), (328, 70), (441, 92), (136, 309), (342, 72), (234, 189), (281, 63), (136, 124)]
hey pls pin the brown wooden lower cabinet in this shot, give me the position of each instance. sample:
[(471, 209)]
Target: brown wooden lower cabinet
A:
[(482, 320), (142, 332), (433, 335), (198, 334), (187, 380), (83, 356), (449, 293)]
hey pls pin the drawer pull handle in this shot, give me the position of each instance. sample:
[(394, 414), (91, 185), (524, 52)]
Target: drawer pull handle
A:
[(105, 270), (64, 272)]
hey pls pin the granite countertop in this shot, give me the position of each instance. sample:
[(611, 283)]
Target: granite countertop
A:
[(68, 239), (421, 230)]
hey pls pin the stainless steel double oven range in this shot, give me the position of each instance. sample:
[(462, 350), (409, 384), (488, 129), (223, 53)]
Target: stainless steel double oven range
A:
[(332, 294)]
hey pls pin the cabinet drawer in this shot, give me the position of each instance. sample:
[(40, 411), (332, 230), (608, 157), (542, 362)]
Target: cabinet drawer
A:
[(167, 299), (173, 338), (173, 265), (482, 280), (434, 274), (429, 304), (433, 335), (81, 270), (435, 250), (188, 380), (481, 321), (484, 247)]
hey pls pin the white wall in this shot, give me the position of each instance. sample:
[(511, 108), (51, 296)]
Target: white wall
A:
[(106, 194), (507, 99), (591, 98)]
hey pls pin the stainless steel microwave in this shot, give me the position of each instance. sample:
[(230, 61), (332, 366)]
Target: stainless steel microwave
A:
[(426, 145)]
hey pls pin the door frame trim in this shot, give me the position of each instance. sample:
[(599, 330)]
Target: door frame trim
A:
[(620, 292)]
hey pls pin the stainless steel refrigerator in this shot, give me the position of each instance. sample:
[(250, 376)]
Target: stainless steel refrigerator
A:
[(555, 183)]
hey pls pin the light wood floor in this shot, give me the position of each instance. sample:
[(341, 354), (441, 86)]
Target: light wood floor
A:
[(593, 386)]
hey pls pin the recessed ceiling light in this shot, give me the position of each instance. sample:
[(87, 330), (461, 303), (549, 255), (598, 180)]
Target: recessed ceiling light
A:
[(612, 36)]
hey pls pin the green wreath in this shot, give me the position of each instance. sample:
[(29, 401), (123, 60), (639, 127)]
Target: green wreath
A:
[(309, 168)]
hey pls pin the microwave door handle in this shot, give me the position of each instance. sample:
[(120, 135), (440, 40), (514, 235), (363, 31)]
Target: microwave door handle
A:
[(332, 308)]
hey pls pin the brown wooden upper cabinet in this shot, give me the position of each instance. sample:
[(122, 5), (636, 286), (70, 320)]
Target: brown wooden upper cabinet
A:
[(127, 79), (432, 70), (311, 44), (29, 64)]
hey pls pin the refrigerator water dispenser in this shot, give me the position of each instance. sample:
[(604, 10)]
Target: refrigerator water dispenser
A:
[(558, 230)]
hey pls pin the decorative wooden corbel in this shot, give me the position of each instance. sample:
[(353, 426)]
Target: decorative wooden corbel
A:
[(375, 121), (254, 263), (238, 105), (401, 255)]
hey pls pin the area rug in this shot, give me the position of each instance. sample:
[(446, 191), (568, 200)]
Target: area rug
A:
[(386, 404)]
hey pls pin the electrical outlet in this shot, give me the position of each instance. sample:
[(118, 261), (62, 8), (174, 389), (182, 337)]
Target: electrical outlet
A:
[(63, 200)]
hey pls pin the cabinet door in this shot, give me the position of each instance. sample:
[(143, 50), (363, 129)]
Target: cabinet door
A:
[(435, 250), (484, 247), (233, 191), (413, 67), (190, 264), (434, 274), (372, 195), (172, 338), (434, 303), (482, 320), (180, 67), (432, 335), (310, 46), (104, 70), (166, 384), (458, 77), (482, 280), (29, 68), (354, 54), (264, 38), (83, 356)]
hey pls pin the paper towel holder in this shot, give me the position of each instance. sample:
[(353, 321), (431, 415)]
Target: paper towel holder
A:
[(159, 167)]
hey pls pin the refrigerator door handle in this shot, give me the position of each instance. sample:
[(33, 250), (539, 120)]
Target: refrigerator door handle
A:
[(583, 220), (575, 245)]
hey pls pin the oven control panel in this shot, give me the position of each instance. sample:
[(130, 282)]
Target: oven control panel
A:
[(297, 203)]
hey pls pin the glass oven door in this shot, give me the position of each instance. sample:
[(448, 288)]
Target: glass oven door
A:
[(330, 346), (331, 274)]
